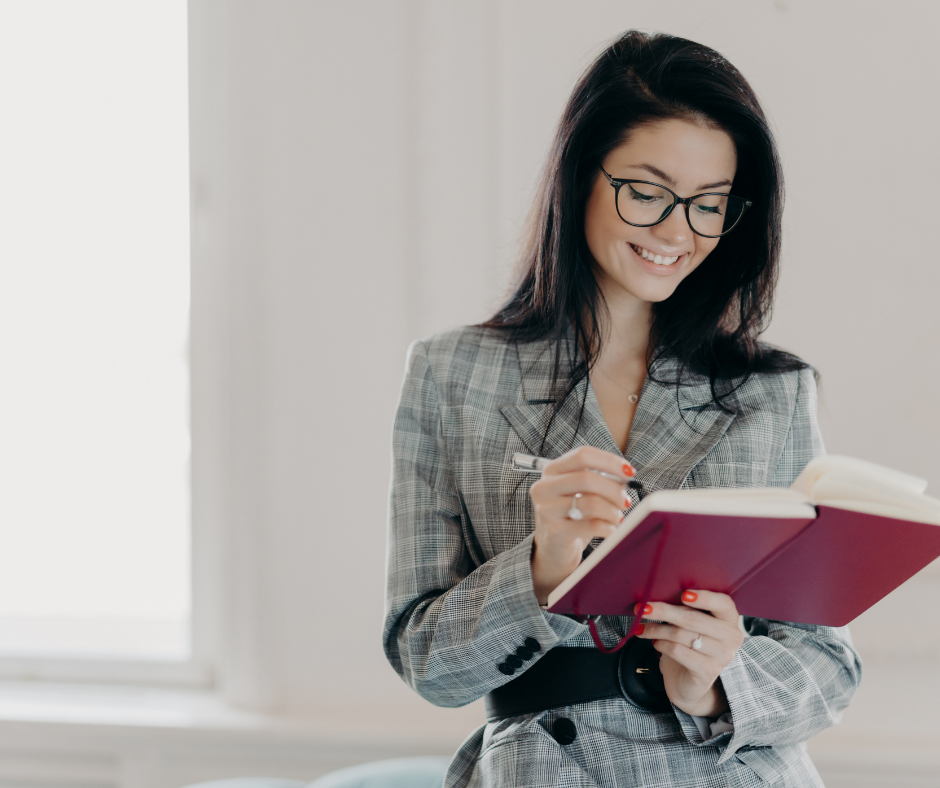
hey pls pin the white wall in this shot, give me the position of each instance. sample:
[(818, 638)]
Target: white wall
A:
[(299, 274), (360, 173)]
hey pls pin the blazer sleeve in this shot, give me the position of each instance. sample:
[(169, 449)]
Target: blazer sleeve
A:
[(787, 685), (450, 624)]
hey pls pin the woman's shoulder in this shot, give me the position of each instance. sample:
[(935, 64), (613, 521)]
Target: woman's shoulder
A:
[(470, 364), (773, 376), (462, 348), (778, 389), (781, 368)]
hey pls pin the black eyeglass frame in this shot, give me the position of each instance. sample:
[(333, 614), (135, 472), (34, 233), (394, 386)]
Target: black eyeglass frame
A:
[(617, 183)]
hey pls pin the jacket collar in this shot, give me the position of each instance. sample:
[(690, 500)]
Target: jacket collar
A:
[(673, 428)]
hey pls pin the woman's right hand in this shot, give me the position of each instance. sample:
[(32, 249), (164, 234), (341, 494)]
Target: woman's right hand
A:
[(559, 540)]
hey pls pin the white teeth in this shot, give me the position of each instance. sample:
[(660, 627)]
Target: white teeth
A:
[(654, 258)]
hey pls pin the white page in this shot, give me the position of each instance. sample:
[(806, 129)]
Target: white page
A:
[(876, 475)]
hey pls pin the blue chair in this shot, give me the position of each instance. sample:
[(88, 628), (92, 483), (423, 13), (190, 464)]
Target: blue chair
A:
[(425, 772), (251, 782)]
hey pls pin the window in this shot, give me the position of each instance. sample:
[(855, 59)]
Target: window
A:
[(94, 300)]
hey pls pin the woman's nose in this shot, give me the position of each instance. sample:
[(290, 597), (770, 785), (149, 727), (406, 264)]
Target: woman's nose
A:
[(674, 229)]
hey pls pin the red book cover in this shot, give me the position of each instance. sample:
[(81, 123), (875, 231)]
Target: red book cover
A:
[(840, 566), (826, 570)]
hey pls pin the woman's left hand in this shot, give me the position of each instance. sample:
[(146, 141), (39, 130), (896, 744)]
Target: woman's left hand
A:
[(691, 675)]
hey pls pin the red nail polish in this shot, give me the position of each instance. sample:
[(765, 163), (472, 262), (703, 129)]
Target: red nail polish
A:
[(628, 469), (689, 596), (647, 609), (639, 629)]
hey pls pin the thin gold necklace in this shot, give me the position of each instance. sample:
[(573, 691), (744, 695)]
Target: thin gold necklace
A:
[(632, 398)]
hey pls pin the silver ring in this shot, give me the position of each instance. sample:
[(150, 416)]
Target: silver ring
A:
[(574, 513), (697, 643)]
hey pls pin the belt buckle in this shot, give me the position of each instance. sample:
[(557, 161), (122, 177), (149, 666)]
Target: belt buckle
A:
[(639, 676)]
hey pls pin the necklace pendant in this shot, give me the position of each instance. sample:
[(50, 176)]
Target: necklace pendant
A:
[(633, 398)]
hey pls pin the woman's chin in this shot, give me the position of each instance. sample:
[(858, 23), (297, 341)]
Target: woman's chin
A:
[(620, 298), (651, 289)]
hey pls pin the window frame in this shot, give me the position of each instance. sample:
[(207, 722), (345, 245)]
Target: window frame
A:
[(198, 671)]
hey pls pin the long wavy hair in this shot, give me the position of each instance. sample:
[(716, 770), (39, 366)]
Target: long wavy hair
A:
[(711, 323)]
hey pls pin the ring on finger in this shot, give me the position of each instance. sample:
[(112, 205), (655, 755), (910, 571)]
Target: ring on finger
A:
[(574, 513), (697, 643)]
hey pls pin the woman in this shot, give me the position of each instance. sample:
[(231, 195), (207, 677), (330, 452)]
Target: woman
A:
[(630, 346)]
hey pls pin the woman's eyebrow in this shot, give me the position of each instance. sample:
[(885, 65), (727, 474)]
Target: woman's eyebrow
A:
[(671, 181), (715, 185)]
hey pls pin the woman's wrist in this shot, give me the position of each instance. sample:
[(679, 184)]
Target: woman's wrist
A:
[(713, 703), (541, 585), (545, 578)]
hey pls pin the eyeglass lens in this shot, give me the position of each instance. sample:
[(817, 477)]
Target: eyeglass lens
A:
[(710, 214)]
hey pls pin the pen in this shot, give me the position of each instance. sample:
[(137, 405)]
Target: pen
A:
[(529, 463)]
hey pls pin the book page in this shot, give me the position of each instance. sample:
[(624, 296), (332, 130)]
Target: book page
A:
[(862, 496), (868, 473)]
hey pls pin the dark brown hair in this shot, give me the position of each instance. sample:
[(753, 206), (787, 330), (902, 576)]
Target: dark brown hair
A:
[(712, 321)]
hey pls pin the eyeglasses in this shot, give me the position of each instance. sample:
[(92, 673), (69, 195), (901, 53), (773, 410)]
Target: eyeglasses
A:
[(644, 204)]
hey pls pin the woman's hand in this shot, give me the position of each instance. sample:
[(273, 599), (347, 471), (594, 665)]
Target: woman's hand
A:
[(690, 675), (559, 540)]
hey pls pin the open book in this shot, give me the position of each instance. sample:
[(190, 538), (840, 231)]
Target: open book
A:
[(843, 536)]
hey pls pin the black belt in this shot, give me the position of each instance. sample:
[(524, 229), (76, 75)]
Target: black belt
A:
[(566, 676)]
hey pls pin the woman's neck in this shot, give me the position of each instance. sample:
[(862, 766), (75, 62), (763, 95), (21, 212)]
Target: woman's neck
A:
[(619, 372), (625, 330)]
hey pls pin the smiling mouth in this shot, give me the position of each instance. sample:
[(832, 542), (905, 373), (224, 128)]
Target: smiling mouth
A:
[(658, 259)]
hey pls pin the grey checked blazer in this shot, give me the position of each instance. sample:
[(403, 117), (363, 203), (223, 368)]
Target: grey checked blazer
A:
[(459, 584)]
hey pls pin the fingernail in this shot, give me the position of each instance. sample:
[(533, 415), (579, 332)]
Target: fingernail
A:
[(628, 469), (647, 609), (689, 596), (622, 515), (639, 629)]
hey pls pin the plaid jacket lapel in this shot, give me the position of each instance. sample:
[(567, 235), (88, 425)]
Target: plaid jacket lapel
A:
[(530, 417), (673, 429)]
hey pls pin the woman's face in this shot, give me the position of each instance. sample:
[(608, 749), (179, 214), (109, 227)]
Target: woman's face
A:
[(689, 159)]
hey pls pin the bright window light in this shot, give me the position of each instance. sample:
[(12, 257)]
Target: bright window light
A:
[(94, 301)]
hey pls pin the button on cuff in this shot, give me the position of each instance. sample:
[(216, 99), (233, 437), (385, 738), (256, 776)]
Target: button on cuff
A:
[(564, 731)]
